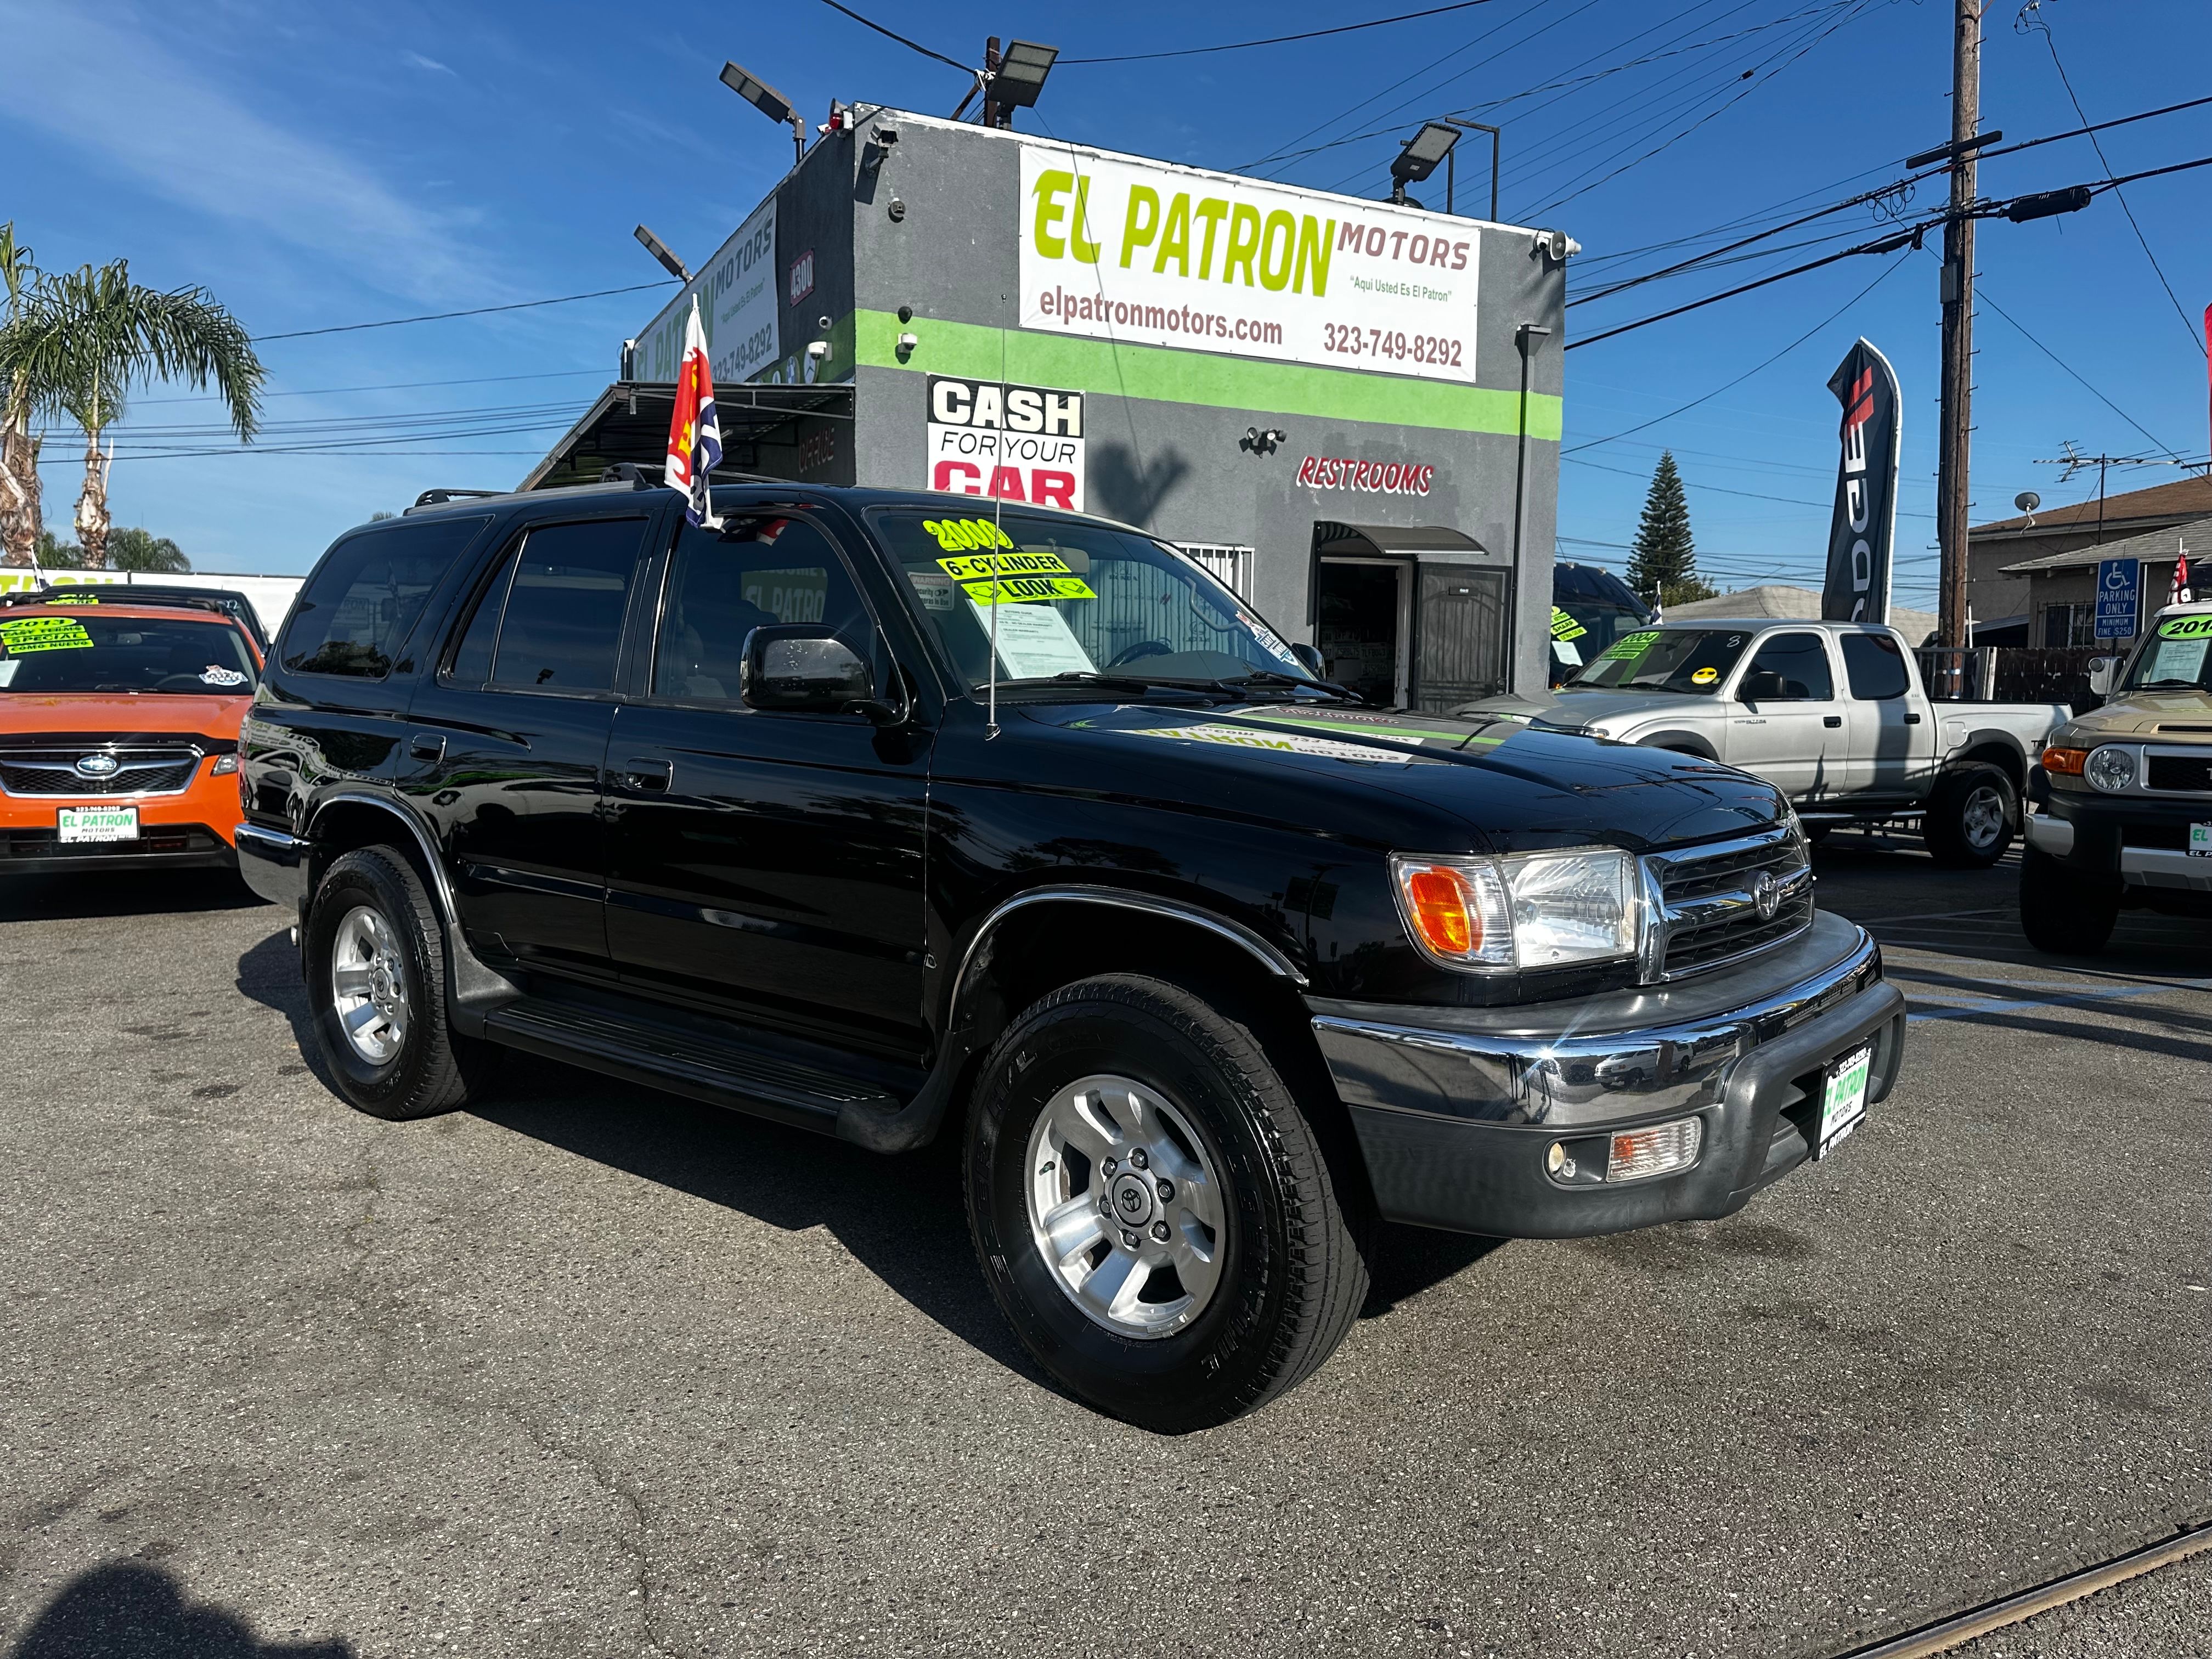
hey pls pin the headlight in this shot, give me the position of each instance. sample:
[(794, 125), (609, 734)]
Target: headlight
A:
[(223, 766), (2111, 768), (1529, 910)]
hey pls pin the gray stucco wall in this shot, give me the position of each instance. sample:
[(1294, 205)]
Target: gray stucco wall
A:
[(1174, 468)]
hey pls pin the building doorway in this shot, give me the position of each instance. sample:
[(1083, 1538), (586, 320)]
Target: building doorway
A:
[(1417, 616), (1362, 619)]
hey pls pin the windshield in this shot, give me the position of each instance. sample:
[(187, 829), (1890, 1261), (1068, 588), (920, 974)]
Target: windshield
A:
[(1694, 660), (2175, 657), (1075, 599), (90, 651)]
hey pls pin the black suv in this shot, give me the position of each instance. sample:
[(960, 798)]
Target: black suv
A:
[(873, 811)]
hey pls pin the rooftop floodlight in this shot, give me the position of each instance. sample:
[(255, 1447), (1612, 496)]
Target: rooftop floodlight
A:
[(1021, 74), (768, 100), (1418, 159), (658, 250)]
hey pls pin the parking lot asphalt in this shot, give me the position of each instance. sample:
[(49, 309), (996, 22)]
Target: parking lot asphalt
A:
[(596, 1372)]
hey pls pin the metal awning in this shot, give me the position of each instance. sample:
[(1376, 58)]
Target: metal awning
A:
[(1421, 541), (628, 422)]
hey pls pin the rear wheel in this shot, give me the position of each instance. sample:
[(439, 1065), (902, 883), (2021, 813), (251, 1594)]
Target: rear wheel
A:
[(375, 960), (1153, 1209), (1968, 822), (2065, 911)]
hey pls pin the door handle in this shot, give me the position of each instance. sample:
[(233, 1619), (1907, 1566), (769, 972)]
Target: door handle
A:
[(1912, 719), (1831, 719), (426, 746), (653, 775)]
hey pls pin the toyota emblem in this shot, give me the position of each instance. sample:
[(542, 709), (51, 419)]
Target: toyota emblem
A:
[(1766, 894), (96, 766)]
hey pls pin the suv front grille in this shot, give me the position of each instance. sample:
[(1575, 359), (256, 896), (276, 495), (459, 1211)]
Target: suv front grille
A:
[(166, 771), (2179, 773), (1716, 904)]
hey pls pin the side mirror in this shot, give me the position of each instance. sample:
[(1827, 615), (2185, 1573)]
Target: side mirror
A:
[(1766, 683), (803, 668), (2101, 670), (1310, 656)]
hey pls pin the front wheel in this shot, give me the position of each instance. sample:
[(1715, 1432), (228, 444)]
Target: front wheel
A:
[(1968, 822), (375, 955), (1152, 1208), (2063, 911)]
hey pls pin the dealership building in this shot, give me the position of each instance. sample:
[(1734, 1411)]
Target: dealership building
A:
[(1349, 409)]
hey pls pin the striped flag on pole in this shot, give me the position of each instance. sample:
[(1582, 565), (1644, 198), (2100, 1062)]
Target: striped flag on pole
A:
[(694, 434)]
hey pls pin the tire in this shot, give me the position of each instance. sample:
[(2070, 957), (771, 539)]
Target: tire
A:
[(2065, 912), (371, 919), (1968, 822), (1177, 1095)]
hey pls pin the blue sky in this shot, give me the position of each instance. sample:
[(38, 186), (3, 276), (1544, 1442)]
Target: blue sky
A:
[(340, 164)]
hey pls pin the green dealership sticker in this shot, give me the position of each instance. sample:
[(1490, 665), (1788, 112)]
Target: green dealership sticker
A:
[(1629, 646), (2185, 628), (28, 634), (1565, 627)]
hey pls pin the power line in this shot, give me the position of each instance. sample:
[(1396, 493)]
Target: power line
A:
[(1888, 271), (2165, 448), (911, 45), (1887, 245), (478, 311), (1749, 494), (2023, 24), (1273, 39), (387, 385)]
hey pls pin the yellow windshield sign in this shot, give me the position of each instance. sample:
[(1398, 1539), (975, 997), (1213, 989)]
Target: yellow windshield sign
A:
[(25, 634), (986, 565), (2185, 628), (1019, 590)]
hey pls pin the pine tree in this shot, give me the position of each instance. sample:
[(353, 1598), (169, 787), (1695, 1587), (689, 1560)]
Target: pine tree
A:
[(1663, 570)]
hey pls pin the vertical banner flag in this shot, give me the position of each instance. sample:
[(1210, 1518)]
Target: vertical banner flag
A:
[(694, 434), (1863, 535)]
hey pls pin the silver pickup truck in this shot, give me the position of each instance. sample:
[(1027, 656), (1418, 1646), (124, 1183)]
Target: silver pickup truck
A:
[(1833, 713)]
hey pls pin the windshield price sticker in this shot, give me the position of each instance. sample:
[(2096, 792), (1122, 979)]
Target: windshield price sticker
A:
[(1007, 564), (1271, 641), (2185, 628), (1024, 590), (959, 535), (1629, 647), (1565, 627), (30, 634)]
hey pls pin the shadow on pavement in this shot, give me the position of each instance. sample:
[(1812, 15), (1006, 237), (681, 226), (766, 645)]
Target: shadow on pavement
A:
[(128, 1610), (123, 893)]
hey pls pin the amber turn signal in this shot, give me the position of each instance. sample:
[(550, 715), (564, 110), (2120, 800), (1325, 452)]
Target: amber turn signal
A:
[(2065, 761), (1443, 910)]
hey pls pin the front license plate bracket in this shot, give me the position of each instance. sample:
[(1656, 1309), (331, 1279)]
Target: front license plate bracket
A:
[(1843, 1098)]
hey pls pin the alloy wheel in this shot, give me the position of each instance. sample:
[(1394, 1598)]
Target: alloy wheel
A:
[(368, 984)]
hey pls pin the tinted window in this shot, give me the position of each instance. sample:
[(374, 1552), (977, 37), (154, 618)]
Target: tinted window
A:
[(565, 601), (1875, 663), (753, 573), (355, 613), (1790, 667)]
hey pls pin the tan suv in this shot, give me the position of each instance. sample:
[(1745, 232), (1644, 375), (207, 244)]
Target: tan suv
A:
[(2121, 807)]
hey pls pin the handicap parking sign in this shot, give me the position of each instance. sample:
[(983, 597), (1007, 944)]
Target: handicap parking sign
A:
[(2119, 597)]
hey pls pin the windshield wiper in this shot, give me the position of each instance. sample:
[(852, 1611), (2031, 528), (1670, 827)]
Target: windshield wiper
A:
[(2165, 686), (1269, 677)]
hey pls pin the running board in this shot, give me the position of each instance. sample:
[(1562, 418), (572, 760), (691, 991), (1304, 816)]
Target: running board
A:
[(686, 1062)]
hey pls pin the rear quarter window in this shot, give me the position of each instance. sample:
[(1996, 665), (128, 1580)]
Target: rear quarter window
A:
[(356, 610), (1876, 664)]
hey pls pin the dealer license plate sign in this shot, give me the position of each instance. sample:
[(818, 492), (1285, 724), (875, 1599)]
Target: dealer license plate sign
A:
[(1843, 1098), (2200, 841), (81, 823)]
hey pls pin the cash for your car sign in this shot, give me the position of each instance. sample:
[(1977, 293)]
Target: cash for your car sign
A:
[(1016, 443), (1119, 249), (2119, 597)]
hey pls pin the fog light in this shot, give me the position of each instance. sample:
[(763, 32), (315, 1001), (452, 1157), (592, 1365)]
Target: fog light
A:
[(1558, 1163), (1642, 1153)]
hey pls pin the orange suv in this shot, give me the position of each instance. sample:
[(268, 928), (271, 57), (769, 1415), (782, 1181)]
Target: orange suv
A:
[(119, 732)]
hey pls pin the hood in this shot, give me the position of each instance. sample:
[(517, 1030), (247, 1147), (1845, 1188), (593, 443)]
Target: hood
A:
[(123, 716), (1577, 711), (2176, 716), (1431, 783)]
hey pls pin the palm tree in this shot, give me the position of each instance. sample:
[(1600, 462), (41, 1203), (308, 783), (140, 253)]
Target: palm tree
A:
[(88, 338), (19, 448)]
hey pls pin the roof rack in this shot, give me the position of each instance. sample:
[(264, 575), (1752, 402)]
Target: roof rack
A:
[(112, 593), (439, 497)]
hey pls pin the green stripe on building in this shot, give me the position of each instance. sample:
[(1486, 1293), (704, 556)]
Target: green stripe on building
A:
[(1164, 375)]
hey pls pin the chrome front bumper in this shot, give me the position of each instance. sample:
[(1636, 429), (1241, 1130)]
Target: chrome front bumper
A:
[(1455, 1108), (273, 864)]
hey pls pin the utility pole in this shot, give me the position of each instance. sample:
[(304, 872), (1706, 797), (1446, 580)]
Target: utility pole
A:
[(1955, 445)]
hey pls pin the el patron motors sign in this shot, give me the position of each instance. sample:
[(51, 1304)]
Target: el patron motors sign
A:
[(737, 297), (1119, 249), (1016, 443)]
